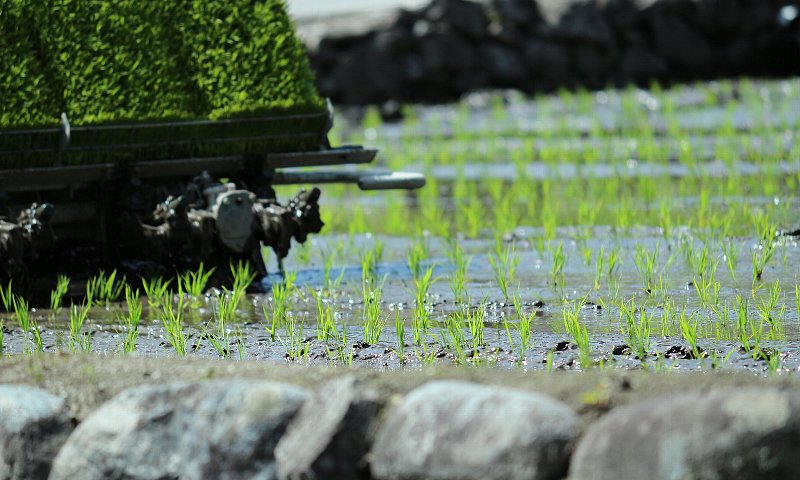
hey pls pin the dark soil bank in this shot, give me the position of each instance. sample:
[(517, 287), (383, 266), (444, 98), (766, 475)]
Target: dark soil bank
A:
[(451, 47)]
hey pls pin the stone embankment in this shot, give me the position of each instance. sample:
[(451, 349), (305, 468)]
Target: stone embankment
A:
[(451, 47), (443, 429)]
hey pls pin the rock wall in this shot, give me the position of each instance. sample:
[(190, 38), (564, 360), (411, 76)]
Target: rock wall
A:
[(232, 429), (450, 47)]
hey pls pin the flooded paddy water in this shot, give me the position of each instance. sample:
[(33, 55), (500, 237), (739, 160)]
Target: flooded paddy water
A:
[(631, 229)]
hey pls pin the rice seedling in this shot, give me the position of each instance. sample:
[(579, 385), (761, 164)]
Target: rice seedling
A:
[(57, 295), (328, 259), (766, 307), (374, 320), (760, 257), (156, 290), (504, 263), (296, 348), (646, 265), (476, 318), (748, 333), (243, 276), (326, 318), (370, 259), (688, 326), (194, 283), (524, 324), (454, 323), (636, 332), (172, 319), (104, 289), (579, 333), (22, 314), (131, 320), (422, 286), (78, 339), (400, 331), (731, 253), (344, 352), (557, 268), (280, 303), (7, 296), (458, 276), (416, 254)]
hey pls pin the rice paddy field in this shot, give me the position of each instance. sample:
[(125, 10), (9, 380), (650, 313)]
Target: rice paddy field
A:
[(622, 229)]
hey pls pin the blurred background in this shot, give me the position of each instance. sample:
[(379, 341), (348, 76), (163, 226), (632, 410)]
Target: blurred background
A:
[(377, 51)]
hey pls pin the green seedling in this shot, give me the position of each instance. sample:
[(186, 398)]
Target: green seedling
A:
[(636, 332), (156, 290), (281, 292), (374, 321), (422, 286), (104, 289), (524, 324), (578, 332), (460, 266), (243, 276), (417, 253), (761, 256), (172, 319), (646, 265), (688, 326), (7, 297), (131, 320), (194, 283), (731, 252), (26, 324), (61, 290), (504, 263), (77, 319), (400, 331), (296, 348), (328, 259), (559, 261), (476, 318)]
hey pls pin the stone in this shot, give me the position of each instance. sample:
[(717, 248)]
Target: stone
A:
[(444, 52), (504, 65), (548, 62), (331, 435), (584, 22), (686, 49), (225, 429), (461, 430), (467, 17), (33, 426), (741, 434), (640, 64), (518, 14), (363, 75)]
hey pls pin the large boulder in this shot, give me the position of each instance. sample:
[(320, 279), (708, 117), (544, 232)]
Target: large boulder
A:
[(217, 429), (459, 430), (33, 426), (749, 434), (330, 437), (468, 18)]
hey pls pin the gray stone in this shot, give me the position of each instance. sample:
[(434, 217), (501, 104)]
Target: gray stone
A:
[(459, 430), (749, 434), (684, 48), (467, 17), (640, 64), (216, 429), (33, 426), (330, 437), (504, 65)]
